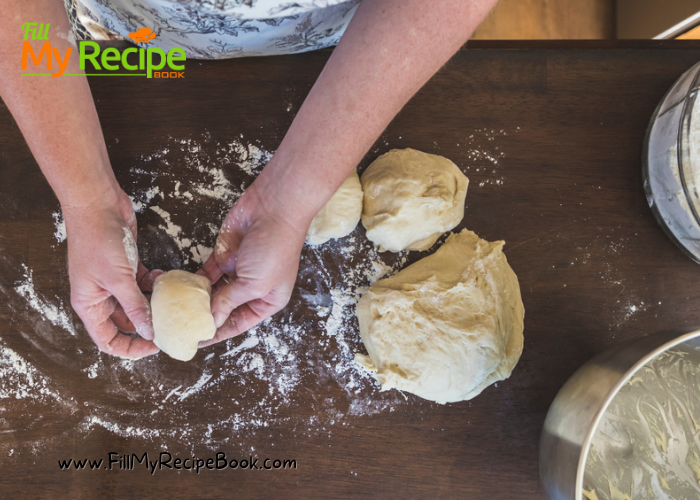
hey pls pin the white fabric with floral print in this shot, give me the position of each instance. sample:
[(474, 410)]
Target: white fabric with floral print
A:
[(218, 29)]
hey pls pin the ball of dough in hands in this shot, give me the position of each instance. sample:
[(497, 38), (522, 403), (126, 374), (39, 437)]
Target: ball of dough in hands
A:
[(181, 306), (340, 215), (411, 198), (447, 326)]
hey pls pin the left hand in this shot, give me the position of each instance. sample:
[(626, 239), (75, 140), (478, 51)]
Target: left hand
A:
[(107, 279)]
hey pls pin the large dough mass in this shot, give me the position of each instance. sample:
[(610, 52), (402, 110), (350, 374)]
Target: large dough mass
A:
[(411, 198), (447, 326), (181, 313), (340, 215)]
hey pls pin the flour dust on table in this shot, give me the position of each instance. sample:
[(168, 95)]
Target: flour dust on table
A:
[(287, 369), (296, 368)]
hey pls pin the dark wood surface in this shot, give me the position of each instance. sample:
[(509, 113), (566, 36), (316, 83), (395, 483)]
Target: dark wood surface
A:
[(566, 196)]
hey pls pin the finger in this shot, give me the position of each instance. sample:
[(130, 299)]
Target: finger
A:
[(132, 347), (136, 307), (231, 296), (141, 271), (242, 319), (121, 321), (108, 339), (146, 282), (96, 318)]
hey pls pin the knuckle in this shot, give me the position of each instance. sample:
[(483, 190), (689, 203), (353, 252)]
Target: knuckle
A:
[(132, 301), (77, 306), (280, 304), (226, 301), (131, 310), (284, 303), (102, 343)]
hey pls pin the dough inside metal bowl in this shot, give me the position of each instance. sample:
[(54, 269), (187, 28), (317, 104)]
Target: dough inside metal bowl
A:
[(647, 444)]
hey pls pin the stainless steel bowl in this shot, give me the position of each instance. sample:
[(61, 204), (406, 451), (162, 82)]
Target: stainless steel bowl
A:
[(579, 407), (670, 162)]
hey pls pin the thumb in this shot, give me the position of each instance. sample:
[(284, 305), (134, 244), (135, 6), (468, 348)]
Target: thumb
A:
[(233, 295), (135, 307)]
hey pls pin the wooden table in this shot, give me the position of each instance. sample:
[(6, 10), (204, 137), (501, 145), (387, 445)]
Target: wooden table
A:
[(567, 118)]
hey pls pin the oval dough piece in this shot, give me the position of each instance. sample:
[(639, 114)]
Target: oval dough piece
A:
[(340, 215), (447, 326), (181, 306), (411, 198)]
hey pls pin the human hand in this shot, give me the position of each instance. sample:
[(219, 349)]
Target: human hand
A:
[(107, 277), (256, 257)]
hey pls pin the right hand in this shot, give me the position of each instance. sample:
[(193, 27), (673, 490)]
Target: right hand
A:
[(107, 277), (258, 251)]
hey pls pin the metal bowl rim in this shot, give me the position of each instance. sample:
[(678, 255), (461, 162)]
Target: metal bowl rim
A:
[(585, 448), (646, 177)]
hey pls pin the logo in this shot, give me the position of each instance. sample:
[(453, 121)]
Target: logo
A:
[(144, 35), (111, 61)]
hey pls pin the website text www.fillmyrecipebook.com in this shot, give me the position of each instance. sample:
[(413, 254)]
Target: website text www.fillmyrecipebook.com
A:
[(166, 461)]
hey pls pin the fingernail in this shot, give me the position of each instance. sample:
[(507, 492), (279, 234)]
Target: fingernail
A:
[(219, 319)]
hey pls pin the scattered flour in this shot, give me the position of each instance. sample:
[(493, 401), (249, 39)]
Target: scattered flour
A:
[(203, 183), (131, 250), (630, 309), (22, 380), (200, 253), (146, 196), (297, 367), (485, 160), (248, 343), (60, 225), (247, 384), (172, 230), (56, 313)]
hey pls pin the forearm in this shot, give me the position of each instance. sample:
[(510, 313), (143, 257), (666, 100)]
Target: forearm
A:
[(390, 49), (57, 116)]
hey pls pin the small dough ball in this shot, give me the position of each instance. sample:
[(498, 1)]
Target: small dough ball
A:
[(411, 198), (340, 215), (447, 326), (181, 306)]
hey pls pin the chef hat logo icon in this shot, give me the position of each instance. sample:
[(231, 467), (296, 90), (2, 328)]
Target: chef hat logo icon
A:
[(144, 35)]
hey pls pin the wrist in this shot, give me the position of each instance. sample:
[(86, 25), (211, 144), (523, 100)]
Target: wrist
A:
[(296, 189), (91, 187), (82, 183), (266, 199), (282, 194), (105, 201)]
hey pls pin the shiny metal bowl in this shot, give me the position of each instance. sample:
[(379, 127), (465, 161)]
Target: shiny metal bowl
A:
[(578, 409), (670, 161)]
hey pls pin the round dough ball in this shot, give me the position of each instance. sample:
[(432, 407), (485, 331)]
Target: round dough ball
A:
[(340, 215), (411, 198), (447, 326), (181, 306)]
